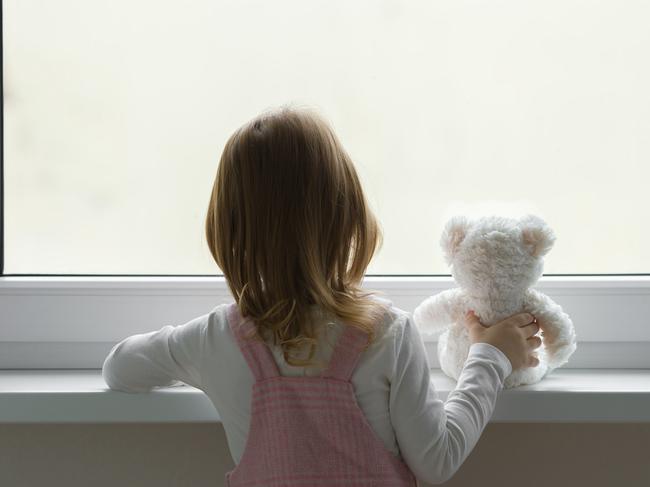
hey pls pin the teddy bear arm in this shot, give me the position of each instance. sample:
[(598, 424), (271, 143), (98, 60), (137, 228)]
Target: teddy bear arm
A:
[(557, 328), (438, 312)]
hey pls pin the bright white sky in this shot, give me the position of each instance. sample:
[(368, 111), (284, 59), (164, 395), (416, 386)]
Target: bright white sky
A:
[(116, 114)]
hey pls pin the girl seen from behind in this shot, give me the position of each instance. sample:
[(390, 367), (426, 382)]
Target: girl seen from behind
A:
[(316, 381)]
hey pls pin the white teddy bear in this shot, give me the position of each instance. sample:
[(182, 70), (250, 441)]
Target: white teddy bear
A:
[(495, 261)]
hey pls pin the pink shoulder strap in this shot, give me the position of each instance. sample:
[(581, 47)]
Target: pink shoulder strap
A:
[(257, 354), (346, 353)]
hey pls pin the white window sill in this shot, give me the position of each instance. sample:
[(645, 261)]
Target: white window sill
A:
[(81, 396)]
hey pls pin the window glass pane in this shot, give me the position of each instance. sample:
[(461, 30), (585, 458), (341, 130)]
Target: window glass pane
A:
[(116, 114)]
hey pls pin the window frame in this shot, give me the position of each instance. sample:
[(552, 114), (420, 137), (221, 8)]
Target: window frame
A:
[(57, 322), (72, 321)]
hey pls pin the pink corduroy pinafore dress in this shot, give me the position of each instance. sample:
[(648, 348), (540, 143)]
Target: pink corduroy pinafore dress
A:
[(310, 431)]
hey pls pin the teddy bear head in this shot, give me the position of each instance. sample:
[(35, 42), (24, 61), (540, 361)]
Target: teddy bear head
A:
[(496, 255)]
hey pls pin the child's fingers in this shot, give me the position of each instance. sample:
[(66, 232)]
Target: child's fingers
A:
[(534, 342), (533, 361), (520, 319), (471, 320), (530, 330)]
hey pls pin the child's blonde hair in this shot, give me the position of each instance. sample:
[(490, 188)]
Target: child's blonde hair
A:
[(289, 226)]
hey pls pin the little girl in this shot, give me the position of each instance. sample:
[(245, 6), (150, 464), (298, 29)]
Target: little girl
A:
[(316, 381)]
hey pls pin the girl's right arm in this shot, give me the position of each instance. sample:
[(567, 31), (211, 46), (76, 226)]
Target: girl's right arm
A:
[(435, 437)]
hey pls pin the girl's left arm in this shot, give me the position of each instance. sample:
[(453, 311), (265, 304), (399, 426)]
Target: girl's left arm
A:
[(157, 359)]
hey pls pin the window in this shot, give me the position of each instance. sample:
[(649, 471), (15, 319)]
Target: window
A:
[(115, 114)]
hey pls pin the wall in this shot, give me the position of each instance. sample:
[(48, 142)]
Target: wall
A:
[(170, 455)]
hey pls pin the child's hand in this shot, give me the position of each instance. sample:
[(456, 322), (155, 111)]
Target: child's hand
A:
[(514, 336)]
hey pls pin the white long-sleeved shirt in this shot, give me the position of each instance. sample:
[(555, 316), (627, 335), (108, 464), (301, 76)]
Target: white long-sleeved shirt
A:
[(392, 385)]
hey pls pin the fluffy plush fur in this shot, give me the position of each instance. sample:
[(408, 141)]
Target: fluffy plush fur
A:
[(495, 261)]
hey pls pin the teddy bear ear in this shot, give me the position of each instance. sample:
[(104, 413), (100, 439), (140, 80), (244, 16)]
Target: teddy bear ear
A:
[(536, 235), (453, 235)]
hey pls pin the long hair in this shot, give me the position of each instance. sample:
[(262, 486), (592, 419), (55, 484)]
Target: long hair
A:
[(290, 227)]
